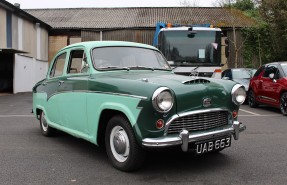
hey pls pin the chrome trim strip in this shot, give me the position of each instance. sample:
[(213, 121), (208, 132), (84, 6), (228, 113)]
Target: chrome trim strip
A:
[(100, 92), (180, 139), (235, 88), (267, 98), (190, 113), (155, 95)]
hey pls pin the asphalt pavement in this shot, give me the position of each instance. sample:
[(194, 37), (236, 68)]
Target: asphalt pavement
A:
[(28, 158)]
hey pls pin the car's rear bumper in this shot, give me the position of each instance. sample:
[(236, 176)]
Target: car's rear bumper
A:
[(185, 137)]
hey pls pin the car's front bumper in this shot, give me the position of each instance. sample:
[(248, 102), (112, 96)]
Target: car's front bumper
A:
[(185, 137)]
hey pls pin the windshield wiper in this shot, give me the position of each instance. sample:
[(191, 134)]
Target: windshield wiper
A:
[(163, 69), (113, 67), (140, 67)]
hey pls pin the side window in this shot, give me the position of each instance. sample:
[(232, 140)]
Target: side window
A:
[(58, 66), (269, 70), (77, 62), (223, 74), (227, 73)]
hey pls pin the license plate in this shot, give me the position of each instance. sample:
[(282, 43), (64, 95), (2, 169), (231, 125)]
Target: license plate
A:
[(209, 146)]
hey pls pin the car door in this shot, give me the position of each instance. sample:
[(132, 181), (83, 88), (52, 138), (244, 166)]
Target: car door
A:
[(270, 86), (51, 85), (73, 87)]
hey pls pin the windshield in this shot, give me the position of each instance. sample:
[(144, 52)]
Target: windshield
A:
[(284, 67), (242, 73), (183, 47), (111, 58)]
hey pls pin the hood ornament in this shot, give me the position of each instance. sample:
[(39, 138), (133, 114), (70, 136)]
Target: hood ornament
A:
[(194, 73)]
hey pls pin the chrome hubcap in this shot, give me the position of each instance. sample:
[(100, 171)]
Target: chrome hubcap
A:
[(119, 143), (44, 123)]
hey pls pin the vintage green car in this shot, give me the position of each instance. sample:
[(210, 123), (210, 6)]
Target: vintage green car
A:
[(124, 96)]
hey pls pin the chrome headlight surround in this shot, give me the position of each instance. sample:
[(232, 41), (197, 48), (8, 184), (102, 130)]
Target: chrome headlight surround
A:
[(238, 94), (162, 99)]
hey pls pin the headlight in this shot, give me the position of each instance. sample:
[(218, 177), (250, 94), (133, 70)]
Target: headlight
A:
[(238, 94), (162, 99)]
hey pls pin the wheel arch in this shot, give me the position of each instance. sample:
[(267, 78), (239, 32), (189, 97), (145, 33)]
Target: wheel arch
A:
[(109, 109), (38, 112), (105, 116), (283, 91)]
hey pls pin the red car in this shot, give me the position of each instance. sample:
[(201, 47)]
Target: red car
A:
[(269, 86)]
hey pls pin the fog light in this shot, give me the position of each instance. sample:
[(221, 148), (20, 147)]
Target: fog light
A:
[(234, 114), (159, 124)]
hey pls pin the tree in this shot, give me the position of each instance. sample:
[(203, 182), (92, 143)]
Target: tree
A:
[(234, 7), (274, 13)]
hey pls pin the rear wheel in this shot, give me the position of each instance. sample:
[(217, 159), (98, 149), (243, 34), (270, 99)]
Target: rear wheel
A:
[(251, 99), (283, 103), (122, 148), (45, 128)]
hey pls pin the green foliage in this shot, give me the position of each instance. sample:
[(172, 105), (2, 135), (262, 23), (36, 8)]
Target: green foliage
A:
[(257, 45), (274, 12), (244, 5), (266, 41)]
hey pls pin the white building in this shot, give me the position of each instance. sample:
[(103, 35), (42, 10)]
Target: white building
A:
[(23, 49)]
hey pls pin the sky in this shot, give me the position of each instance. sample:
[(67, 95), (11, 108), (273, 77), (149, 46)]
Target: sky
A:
[(33, 4)]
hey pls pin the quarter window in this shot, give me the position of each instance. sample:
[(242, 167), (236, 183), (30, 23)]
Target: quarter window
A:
[(58, 66)]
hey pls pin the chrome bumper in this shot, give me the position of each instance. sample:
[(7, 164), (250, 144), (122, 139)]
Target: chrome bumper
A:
[(184, 138)]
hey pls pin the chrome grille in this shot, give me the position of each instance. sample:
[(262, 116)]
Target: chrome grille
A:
[(201, 121)]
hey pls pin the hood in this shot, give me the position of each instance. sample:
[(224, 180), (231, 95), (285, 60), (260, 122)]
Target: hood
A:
[(243, 81), (189, 92)]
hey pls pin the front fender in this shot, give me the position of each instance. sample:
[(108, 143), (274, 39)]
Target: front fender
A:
[(97, 103)]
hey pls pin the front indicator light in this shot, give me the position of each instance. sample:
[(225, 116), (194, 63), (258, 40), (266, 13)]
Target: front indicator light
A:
[(159, 124), (234, 114)]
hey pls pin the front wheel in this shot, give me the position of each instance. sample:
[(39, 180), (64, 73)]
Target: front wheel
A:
[(251, 99), (45, 128), (121, 146), (283, 103)]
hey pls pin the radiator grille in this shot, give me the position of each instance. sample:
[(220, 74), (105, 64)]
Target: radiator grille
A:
[(196, 122)]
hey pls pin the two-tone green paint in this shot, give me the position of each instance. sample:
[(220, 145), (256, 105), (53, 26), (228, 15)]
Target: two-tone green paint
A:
[(74, 102), (78, 113)]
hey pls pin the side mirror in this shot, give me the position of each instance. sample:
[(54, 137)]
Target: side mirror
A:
[(226, 78), (271, 76)]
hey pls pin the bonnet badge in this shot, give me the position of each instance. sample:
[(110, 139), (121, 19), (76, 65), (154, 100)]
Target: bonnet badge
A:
[(206, 102)]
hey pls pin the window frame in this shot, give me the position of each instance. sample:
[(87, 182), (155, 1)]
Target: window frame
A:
[(69, 64), (55, 61)]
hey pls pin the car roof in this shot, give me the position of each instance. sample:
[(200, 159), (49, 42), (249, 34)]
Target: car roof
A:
[(279, 62), (94, 44)]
